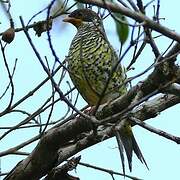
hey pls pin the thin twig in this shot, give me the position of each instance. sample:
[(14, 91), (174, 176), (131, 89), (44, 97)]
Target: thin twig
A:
[(107, 170), (139, 17), (155, 130)]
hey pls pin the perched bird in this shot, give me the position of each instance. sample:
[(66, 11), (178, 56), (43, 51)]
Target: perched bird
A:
[(96, 72)]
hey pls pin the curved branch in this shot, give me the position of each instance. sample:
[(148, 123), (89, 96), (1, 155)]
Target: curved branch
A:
[(54, 142), (137, 16)]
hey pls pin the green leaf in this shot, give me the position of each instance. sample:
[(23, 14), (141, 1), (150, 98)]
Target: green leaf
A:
[(122, 27)]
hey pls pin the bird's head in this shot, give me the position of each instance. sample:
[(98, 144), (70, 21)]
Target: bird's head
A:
[(82, 17)]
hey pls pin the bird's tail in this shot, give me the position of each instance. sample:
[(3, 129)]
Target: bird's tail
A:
[(126, 142)]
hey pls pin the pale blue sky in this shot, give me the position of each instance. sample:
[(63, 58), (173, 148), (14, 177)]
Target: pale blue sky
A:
[(161, 154)]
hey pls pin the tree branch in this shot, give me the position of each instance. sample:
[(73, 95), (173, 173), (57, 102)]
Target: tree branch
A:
[(75, 134), (55, 140), (139, 17), (36, 165), (58, 138)]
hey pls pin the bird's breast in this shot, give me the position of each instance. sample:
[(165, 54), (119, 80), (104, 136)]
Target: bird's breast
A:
[(90, 64)]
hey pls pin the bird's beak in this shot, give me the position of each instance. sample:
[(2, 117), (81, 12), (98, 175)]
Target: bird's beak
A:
[(75, 21)]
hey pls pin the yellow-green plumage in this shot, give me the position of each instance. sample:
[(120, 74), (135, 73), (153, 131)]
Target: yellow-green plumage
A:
[(93, 66), (91, 61)]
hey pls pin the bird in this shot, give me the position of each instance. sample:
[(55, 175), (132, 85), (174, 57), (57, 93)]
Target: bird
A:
[(96, 72)]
